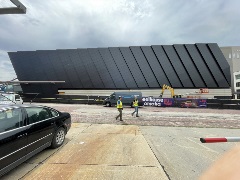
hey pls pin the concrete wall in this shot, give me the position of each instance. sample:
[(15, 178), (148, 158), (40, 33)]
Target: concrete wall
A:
[(232, 55)]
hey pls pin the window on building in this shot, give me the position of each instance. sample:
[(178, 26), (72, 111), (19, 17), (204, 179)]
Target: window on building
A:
[(237, 76), (230, 56), (238, 84), (237, 55), (238, 95)]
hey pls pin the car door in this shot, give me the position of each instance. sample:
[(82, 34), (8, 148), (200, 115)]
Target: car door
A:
[(13, 138), (41, 128)]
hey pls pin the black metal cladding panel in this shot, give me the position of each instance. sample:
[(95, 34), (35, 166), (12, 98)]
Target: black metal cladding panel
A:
[(36, 65), (32, 88), (91, 69), (220, 59), (201, 66), (122, 67), (47, 68), (166, 65), (112, 68), (82, 73), (69, 68), (26, 66), (212, 65), (155, 66), (101, 68), (59, 70), (18, 60), (49, 89), (17, 65), (133, 67), (189, 65), (39, 73), (144, 66), (178, 66)]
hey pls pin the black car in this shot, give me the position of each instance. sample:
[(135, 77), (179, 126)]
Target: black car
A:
[(25, 130)]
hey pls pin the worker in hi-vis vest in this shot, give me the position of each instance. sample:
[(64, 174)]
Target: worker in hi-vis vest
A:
[(120, 108), (135, 104)]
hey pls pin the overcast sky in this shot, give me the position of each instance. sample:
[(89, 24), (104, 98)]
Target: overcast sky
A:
[(58, 24)]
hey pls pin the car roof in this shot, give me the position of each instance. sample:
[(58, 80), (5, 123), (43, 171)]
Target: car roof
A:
[(15, 106), (5, 94)]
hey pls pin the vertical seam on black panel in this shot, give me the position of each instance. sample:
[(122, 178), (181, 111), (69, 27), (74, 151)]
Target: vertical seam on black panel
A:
[(32, 56), (217, 63), (79, 79), (172, 67), (149, 66), (52, 65), (127, 66), (195, 65), (139, 66), (184, 66), (48, 55), (85, 68), (96, 68), (118, 68), (46, 74), (41, 85), (57, 52), (204, 61), (106, 68), (161, 67)]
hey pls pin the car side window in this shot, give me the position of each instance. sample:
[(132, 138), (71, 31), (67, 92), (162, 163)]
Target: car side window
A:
[(10, 119), (54, 113), (113, 96), (37, 114), (17, 97)]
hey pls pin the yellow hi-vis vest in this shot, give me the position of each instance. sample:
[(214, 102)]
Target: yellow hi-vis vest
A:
[(135, 103), (119, 104)]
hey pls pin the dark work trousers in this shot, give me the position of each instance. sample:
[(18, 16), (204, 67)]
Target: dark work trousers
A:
[(136, 110), (120, 114)]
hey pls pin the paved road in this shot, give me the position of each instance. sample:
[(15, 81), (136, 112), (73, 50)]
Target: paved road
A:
[(105, 151), (95, 151), (176, 150), (180, 152), (155, 116)]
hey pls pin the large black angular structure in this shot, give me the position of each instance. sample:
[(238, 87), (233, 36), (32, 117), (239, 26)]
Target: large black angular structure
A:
[(135, 67)]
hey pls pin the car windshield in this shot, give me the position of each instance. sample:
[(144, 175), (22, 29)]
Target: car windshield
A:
[(6, 97)]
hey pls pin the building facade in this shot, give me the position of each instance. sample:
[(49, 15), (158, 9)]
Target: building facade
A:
[(232, 55), (181, 66), (236, 87)]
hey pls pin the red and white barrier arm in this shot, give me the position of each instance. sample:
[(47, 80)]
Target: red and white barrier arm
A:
[(216, 139)]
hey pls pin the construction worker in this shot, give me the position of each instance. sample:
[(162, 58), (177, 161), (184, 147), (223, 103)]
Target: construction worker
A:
[(120, 108), (135, 104)]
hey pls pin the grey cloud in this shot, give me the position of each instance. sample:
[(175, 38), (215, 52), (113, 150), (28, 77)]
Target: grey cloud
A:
[(84, 24)]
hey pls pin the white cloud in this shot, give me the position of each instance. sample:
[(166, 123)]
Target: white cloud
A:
[(69, 24)]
